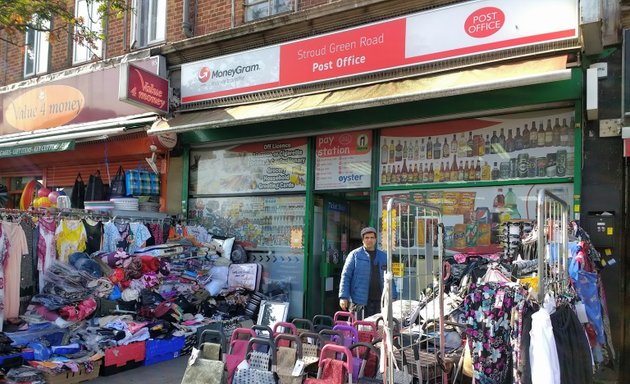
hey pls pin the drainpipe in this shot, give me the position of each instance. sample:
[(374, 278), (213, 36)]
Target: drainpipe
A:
[(233, 18), (186, 26)]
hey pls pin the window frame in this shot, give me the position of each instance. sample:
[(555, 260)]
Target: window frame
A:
[(92, 19), (274, 8), (40, 50), (147, 31)]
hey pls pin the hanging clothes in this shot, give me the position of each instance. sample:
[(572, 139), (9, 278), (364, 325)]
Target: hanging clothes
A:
[(46, 246), (543, 355), (4, 255), (522, 370), (488, 311), (71, 238), (574, 357), (29, 261), (127, 237), (13, 266), (94, 233)]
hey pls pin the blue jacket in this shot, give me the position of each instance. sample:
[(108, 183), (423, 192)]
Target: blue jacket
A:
[(355, 276)]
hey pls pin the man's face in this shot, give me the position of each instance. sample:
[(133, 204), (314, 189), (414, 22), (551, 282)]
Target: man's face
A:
[(369, 241)]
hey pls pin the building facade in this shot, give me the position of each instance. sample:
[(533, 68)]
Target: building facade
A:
[(296, 120)]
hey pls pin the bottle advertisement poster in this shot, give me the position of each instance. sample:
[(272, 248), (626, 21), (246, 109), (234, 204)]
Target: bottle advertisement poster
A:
[(343, 160), (472, 216), (270, 166), (537, 144)]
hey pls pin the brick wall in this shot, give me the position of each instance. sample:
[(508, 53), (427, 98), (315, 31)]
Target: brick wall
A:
[(211, 16)]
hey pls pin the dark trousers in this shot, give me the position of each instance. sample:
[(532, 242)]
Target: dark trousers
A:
[(362, 311)]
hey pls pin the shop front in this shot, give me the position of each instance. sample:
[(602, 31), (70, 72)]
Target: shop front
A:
[(475, 127), (54, 130)]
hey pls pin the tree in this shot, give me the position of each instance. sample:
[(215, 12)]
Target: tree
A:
[(54, 17)]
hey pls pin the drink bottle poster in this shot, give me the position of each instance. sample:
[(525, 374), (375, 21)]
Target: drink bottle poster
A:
[(527, 145), (269, 166), (471, 216), (343, 160)]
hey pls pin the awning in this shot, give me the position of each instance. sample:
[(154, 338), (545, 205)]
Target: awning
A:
[(81, 131), (466, 81)]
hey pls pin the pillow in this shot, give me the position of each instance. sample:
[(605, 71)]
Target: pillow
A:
[(226, 244)]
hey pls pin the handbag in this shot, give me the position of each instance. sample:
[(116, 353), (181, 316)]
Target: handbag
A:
[(118, 187), (139, 182), (95, 188), (77, 197)]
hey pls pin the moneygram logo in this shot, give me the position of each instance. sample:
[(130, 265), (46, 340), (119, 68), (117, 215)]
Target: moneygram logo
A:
[(206, 74)]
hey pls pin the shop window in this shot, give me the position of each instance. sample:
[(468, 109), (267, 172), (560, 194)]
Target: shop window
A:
[(88, 11), (149, 21), (258, 9), (36, 50)]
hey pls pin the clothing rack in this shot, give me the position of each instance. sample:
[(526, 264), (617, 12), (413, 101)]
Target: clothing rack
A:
[(150, 217), (553, 241)]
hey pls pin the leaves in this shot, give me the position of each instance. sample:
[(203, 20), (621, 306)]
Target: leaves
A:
[(57, 18)]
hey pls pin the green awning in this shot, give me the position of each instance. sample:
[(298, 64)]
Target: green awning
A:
[(37, 148)]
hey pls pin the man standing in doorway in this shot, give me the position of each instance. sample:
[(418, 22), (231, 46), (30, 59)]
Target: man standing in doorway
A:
[(362, 277)]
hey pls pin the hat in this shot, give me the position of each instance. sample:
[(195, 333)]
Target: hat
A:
[(367, 230)]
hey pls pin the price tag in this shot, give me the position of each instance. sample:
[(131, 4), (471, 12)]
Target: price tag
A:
[(298, 369), (498, 302), (580, 309)]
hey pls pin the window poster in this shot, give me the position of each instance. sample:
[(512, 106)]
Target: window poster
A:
[(269, 166), (343, 160), (537, 144), (471, 216)]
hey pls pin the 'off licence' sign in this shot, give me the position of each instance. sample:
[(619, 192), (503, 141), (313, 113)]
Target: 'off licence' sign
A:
[(459, 30)]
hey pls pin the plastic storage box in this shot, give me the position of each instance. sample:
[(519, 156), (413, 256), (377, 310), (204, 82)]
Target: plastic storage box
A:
[(159, 350), (123, 358)]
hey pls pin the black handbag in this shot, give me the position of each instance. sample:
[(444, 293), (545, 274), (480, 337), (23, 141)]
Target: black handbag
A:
[(95, 189), (118, 187), (77, 197)]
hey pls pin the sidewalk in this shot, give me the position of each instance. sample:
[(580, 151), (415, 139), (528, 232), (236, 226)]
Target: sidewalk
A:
[(168, 372)]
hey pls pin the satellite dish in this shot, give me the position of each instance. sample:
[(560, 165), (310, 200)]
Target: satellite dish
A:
[(151, 160)]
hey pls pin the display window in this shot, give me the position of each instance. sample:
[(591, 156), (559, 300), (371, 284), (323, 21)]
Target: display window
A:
[(530, 145), (258, 222), (271, 229), (472, 217)]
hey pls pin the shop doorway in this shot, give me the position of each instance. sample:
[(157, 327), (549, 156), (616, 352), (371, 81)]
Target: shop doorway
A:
[(337, 223)]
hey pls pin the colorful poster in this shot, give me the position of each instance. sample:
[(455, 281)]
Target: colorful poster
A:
[(537, 144), (343, 160), (271, 166), (472, 217)]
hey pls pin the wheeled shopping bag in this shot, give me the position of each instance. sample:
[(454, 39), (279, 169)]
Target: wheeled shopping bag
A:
[(287, 357), (257, 367), (331, 369), (206, 363), (237, 349), (365, 361)]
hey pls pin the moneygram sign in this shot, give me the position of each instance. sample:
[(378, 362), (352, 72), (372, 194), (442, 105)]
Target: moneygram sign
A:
[(464, 29)]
